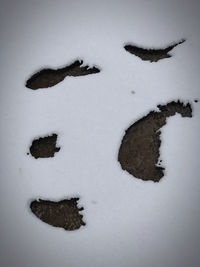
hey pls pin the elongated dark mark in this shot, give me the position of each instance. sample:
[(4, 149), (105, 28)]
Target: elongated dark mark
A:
[(50, 77), (139, 150), (152, 55), (44, 147), (64, 214)]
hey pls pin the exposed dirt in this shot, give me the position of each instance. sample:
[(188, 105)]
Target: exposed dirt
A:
[(152, 55), (64, 214), (44, 147), (50, 77), (139, 150)]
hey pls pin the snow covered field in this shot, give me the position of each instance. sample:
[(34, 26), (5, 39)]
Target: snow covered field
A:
[(129, 222)]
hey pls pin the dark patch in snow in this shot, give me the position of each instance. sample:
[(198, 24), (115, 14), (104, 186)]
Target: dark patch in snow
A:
[(64, 214), (50, 77), (152, 55), (139, 150), (44, 147)]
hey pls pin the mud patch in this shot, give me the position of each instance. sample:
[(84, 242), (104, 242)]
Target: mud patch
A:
[(152, 55), (64, 214), (44, 147), (50, 77), (139, 150)]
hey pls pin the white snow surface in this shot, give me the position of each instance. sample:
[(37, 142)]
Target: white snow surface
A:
[(129, 222)]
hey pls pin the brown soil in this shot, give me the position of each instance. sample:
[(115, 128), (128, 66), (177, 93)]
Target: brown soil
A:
[(50, 77), (152, 55), (139, 150), (44, 147), (64, 214)]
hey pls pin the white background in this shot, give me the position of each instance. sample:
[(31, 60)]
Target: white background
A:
[(129, 222)]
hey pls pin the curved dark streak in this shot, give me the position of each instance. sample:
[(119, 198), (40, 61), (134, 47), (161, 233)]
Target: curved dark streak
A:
[(139, 150), (152, 55), (50, 77)]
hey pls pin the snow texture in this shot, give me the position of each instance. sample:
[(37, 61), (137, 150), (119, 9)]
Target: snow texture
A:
[(129, 222)]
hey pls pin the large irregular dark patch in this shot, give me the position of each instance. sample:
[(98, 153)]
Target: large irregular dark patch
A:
[(152, 55), (44, 147), (139, 150), (50, 77), (64, 214)]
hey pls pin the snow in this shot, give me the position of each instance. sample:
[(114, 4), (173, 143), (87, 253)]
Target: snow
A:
[(129, 222)]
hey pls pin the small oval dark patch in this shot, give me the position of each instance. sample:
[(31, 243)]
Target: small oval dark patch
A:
[(64, 214), (44, 147)]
